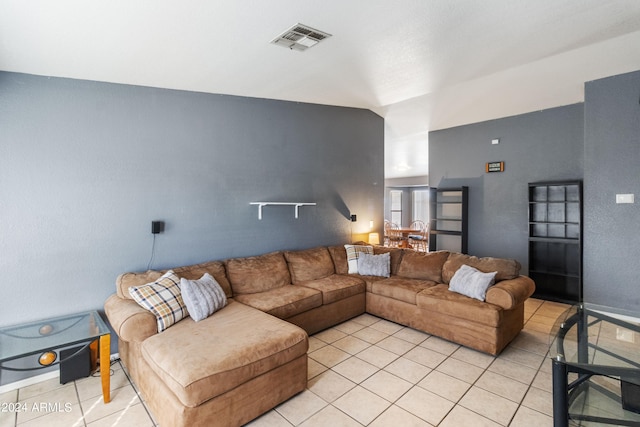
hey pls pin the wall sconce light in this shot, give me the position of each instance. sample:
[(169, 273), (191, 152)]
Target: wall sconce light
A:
[(371, 224), (374, 238)]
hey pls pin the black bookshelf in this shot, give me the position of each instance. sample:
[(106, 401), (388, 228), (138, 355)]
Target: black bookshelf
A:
[(555, 240), (449, 218)]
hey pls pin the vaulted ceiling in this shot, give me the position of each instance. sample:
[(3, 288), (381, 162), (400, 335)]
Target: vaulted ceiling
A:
[(420, 64)]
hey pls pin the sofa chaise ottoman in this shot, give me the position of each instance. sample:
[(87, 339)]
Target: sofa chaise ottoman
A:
[(224, 370)]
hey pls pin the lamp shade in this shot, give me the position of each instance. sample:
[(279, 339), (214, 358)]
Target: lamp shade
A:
[(374, 238)]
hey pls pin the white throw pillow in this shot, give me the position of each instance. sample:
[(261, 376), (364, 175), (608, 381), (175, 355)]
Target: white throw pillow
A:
[(374, 265), (353, 252), (472, 282), (203, 297)]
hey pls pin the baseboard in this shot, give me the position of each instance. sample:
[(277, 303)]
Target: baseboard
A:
[(29, 381), (625, 315), (39, 378)]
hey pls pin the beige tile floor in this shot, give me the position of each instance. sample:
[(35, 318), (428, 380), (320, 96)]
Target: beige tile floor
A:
[(366, 371)]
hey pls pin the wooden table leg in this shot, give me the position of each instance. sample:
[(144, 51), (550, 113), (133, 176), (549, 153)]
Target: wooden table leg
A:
[(93, 351), (105, 366), (405, 244)]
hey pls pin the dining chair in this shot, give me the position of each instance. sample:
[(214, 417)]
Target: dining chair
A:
[(419, 240), (387, 224), (394, 235)]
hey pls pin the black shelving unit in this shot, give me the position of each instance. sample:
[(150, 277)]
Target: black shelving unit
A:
[(449, 219), (555, 240)]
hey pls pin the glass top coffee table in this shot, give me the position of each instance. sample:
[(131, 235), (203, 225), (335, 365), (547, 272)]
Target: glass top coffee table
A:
[(45, 336), (596, 369)]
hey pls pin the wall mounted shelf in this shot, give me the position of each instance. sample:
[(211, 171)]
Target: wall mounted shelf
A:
[(295, 204)]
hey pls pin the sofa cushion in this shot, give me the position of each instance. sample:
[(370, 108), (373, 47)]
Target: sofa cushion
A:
[(336, 287), (370, 280), (191, 272), (471, 282), (339, 257), (505, 268), (353, 252), (203, 297), (420, 265), (309, 264), (214, 268), (127, 280), (283, 302), (440, 299), (241, 343), (400, 288), (258, 274), (162, 298)]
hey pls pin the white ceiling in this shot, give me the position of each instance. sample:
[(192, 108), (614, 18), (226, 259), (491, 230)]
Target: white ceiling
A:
[(420, 64)]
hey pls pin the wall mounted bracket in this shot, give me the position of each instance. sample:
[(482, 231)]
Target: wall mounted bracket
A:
[(295, 204)]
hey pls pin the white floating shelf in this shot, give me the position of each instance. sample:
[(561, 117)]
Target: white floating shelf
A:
[(295, 204)]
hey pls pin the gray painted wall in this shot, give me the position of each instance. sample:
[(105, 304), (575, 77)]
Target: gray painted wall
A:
[(540, 146), (612, 165), (86, 166)]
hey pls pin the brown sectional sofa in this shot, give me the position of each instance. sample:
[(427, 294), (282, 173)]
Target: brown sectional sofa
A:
[(251, 355)]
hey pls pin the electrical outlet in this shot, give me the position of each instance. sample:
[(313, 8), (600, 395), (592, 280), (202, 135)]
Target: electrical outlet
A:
[(354, 218), (624, 198)]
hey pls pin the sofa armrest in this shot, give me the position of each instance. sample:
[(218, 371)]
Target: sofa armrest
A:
[(131, 322), (508, 294)]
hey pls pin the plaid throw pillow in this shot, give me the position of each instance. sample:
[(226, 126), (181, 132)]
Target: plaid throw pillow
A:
[(353, 251), (163, 299)]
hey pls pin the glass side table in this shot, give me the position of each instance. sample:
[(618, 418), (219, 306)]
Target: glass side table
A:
[(596, 369), (45, 336)]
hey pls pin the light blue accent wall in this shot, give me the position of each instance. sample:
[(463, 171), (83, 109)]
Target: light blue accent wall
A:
[(612, 166), (86, 166), (598, 141)]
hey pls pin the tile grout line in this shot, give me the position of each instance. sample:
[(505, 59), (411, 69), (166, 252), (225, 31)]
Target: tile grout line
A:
[(399, 353), (135, 389), (75, 387), (378, 370), (484, 370), (537, 372)]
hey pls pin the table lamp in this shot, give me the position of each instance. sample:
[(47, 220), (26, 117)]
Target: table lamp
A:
[(374, 238)]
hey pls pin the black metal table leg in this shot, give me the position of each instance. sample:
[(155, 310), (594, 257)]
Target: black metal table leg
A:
[(560, 393), (583, 336)]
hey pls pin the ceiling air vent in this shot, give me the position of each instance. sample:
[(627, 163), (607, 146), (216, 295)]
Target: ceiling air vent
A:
[(300, 37)]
